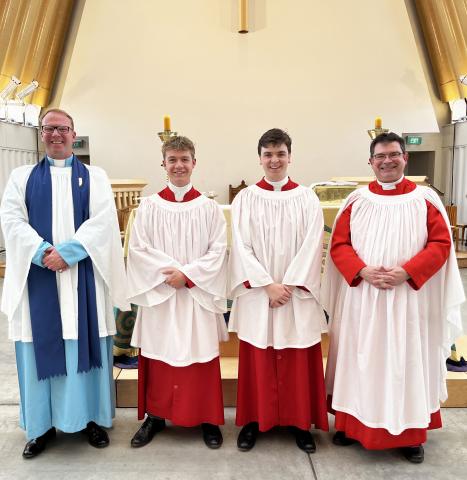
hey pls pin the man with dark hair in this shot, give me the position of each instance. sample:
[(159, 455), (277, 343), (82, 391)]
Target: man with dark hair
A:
[(177, 275), (64, 269), (392, 290), (277, 233), (386, 138)]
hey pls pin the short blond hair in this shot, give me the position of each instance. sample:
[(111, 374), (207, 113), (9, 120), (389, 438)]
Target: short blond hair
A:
[(178, 143), (57, 110)]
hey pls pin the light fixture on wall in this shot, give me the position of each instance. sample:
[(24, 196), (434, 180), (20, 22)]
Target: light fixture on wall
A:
[(16, 111), (5, 94), (30, 111), (9, 89), (33, 86)]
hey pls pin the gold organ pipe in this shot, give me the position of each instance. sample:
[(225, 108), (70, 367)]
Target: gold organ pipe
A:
[(243, 16), (51, 38), (453, 11), (20, 39), (34, 33), (439, 30), (8, 13)]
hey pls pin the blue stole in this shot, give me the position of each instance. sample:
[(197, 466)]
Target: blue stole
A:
[(44, 305)]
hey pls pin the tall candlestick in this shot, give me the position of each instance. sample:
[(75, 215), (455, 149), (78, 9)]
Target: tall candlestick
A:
[(167, 123)]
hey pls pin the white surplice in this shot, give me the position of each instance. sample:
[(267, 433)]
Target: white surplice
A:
[(178, 326), (387, 360), (99, 235), (277, 236)]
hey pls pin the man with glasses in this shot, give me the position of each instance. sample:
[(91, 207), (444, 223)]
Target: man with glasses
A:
[(393, 292), (64, 270)]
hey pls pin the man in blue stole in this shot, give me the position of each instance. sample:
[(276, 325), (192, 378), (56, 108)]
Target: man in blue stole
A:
[(64, 274)]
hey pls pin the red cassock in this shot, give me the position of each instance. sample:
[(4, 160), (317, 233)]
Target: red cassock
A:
[(188, 395), (420, 268), (281, 387)]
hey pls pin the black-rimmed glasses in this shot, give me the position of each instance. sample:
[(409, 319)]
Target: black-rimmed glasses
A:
[(50, 129)]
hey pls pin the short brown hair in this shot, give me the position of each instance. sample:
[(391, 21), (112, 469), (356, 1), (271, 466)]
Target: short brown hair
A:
[(178, 143), (387, 137), (275, 137), (57, 110)]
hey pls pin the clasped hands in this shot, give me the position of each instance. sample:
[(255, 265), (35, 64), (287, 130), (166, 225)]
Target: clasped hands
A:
[(53, 261), (175, 278), (384, 278), (278, 294)]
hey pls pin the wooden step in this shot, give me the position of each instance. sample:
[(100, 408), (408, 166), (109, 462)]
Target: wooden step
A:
[(126, 381)]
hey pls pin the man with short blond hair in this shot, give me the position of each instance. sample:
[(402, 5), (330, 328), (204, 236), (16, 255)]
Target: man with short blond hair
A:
[(64, 270), (177, 276)]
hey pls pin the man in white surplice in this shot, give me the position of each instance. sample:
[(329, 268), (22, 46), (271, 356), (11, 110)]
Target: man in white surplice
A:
[(177, 275), (277, 242), (64, 274), (393, 292)]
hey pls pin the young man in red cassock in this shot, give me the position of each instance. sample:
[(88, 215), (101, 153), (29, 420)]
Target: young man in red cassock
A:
[(177, 275), (393, 292), (277, 241)]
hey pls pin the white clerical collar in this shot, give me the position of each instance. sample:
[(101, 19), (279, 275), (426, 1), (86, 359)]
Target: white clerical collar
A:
[(65, 162), (179, 192), (278, 185), (390, 185)]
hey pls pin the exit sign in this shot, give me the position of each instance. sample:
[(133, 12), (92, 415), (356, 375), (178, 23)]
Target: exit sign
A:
[(413, 140), (78, 144)]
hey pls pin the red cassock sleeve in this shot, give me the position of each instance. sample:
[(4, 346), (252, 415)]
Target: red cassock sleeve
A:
[(420, 268), (342, 253), (188, 282), (428, 261)]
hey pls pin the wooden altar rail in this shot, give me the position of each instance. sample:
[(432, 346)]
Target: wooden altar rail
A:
[(127, 193)]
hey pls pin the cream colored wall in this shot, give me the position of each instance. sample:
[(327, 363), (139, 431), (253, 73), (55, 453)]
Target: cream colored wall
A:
[(323, 70)]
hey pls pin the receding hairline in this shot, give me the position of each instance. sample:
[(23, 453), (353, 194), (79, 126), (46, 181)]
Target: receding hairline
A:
[(59, 111)]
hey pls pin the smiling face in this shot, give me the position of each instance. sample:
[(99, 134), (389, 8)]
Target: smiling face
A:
[(388, 162), (58, 145), (275, 160), (179, 166)]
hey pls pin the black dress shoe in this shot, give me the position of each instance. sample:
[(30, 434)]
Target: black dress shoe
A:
[(212, 435), (341, 440), (247, 437), (414, 454), (304, 440), (147, 431), (97, 436), (37, 445)]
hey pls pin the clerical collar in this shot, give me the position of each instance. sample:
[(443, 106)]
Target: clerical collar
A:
[(277, 185), (65, 162), (390, 185), (179, 192)]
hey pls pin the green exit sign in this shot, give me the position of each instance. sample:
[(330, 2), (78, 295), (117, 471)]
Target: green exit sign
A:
[(413, 140), (78, 144)]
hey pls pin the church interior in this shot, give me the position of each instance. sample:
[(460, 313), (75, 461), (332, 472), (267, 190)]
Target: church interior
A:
[(335, 73)]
